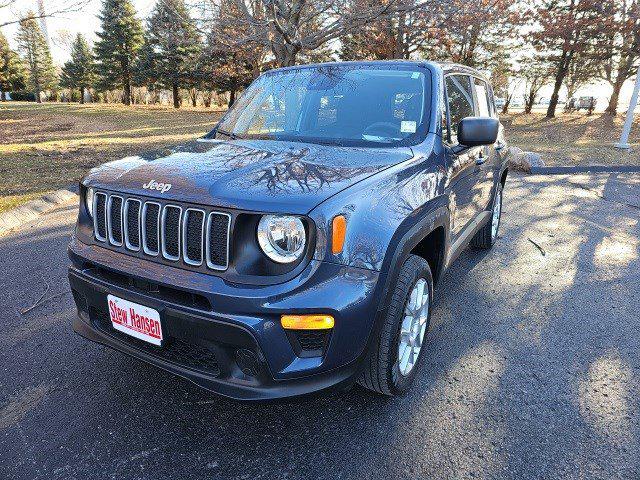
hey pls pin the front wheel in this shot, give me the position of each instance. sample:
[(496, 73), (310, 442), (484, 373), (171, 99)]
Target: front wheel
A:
[(487, 235), (399, 347)]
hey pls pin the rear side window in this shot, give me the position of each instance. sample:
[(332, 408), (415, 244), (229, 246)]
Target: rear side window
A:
[(459, 100), (482, 92)]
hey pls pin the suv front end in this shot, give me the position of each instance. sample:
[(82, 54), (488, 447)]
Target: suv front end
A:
[(294, 332)]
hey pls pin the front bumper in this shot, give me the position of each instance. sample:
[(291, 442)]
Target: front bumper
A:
[(227, 338)]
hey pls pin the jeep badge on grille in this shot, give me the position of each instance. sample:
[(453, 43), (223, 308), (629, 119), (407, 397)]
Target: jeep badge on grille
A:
[(153, 185)]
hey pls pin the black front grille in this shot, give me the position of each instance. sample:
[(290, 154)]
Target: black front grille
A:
[(151, 226), (101, 216), (115, 220), (179, 351), (193, 229), (133, 224), (197, 238), (312, 339), (218, 234), (171, 232), (309, 343)]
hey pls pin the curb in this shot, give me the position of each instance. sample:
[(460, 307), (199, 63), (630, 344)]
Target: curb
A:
[(34, 208), (585, 169)]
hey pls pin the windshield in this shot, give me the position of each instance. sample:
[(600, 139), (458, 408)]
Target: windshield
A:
[(374, 105)]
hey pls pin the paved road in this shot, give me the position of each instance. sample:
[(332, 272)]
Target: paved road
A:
[(533, 369)]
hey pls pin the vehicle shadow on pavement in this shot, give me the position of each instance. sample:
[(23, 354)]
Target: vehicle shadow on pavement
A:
[(532, 370)]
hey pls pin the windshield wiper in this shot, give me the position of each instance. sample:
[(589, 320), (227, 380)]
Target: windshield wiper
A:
[(231, 135)]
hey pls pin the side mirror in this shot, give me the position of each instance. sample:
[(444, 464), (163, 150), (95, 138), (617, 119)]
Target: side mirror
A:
[(476, 131)]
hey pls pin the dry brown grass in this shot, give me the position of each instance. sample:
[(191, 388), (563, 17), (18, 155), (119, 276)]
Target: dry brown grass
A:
[(573, 139), (51, 146)]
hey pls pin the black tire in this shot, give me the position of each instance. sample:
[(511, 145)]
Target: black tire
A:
[(381, 372), (485, 238)]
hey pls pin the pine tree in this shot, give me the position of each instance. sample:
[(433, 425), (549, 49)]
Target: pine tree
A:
[(79, 72), (175, 46), (34, 48), (12, 70), (117, 47)]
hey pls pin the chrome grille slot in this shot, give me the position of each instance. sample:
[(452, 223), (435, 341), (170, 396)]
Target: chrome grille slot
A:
[(192, 236), (217, 242), (151, 228), (197, 238), (114, 220), (100, 216), (170, 232), (132, 210)]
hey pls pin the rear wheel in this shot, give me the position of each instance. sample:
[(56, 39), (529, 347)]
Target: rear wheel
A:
[(399, 348), (487, 235)]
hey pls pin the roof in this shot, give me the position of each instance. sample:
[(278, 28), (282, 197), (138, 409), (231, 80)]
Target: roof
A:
[(446, 67)]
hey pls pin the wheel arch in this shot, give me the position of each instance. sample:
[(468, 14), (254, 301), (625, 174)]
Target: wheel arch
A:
[(503, 176), (429, 232)]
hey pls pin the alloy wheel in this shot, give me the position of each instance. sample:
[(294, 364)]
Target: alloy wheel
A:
[(414, 326)]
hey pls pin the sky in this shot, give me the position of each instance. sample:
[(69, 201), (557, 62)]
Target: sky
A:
[(87, 23)]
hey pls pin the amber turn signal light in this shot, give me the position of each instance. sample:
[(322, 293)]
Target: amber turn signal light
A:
[(307, 322), (339, 230)]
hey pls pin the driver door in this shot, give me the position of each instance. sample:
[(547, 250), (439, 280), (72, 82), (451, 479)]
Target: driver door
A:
[(462, 168)]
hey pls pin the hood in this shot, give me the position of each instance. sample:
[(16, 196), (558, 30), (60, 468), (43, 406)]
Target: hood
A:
[(257, 175)]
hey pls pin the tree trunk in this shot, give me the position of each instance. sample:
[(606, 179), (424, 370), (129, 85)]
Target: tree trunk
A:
[(81, 95), (528, 104), (612, 108), (126, 82), (176, 96), (285, 53), (473, 43), (126, 96), (232, 97), (563, 68), (399, 43)]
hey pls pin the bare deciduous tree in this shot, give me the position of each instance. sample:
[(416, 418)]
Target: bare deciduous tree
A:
[(288, 28), (11, 11)]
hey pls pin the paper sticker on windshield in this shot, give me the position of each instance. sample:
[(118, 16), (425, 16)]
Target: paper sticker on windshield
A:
[(407, 127)]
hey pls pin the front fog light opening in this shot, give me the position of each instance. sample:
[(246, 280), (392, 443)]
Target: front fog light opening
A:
[(282, 238)]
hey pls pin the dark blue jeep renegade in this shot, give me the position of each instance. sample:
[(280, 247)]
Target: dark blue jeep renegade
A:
[(297, 245)]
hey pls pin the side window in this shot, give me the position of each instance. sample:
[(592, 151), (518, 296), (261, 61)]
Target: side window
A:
[(459, 101), (482, 93)]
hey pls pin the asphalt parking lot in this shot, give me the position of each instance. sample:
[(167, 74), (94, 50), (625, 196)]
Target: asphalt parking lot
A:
[(532, 371)]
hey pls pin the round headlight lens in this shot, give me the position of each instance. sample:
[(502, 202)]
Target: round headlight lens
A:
[(88, 201), (282, 237)]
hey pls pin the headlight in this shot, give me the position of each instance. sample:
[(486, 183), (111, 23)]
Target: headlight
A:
[(88, 201), (282, 237)]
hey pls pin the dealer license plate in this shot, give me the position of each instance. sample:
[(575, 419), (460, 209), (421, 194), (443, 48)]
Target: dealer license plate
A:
[(136, 320)]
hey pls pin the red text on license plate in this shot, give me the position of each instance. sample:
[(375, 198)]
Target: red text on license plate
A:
[(135, 320)]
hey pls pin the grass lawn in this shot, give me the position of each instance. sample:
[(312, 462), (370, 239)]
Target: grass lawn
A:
[(573, 139), (51, 146)]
